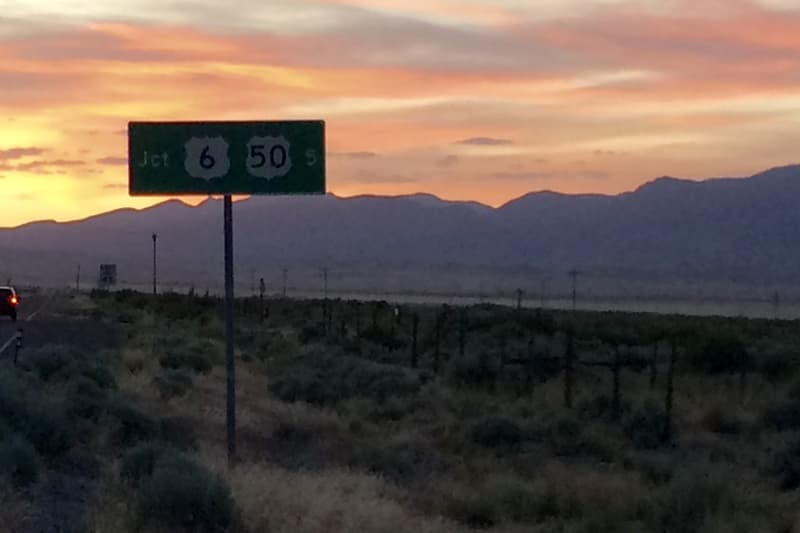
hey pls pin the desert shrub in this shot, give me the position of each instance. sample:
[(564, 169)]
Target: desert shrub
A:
[(178, 432), (722, 422), (388, 339), (180, 360), (18, 461), (85, 399), (327, 379), (134, 361), (601, 407), (515, 499), (50, 361), (568, 436), (783, 416), (130, 425), (693, 495), (139, 462), (41, 420), (786, 465), (173, 383), (182, 493), (497, 432), (311, 332), (658, 468), (645, 426), (471, 507), (100, 375), (779, 365), (393, 409), (475, 368), (398, 461), (606, 522), (720, 354), (508, 498)]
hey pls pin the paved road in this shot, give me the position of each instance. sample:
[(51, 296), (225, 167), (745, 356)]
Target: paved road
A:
[(31, 307), (44, 320)]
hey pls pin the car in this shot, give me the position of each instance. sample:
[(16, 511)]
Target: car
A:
[(9, 301)]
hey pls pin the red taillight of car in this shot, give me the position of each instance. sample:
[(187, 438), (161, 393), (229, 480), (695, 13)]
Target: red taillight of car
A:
[(14, 300)]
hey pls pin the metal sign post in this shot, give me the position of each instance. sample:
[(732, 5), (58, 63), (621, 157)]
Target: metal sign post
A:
[(206, 158)]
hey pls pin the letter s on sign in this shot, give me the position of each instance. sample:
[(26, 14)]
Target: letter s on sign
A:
[(311, 157)]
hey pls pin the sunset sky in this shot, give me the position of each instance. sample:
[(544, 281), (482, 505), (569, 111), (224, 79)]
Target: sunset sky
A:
[(466, 99)]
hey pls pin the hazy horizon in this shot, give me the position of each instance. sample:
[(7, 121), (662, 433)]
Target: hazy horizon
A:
[(194, 201)]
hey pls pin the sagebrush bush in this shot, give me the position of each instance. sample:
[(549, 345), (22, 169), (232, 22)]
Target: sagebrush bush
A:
[(51, 361), (139, 462), (507, 498), (392, 341), (100, 375), (328, 379), (178, 431), (85, 399), (399, 461), (471, 507), (193, 361), (779, 365), (497, 432), (130, 425), (479, 368), (173, 383), (786, 465), (181, 493), (693, 495), (43, 421), (721, 354), (783, 415), (567, 436), (311, 332), (645, 426), (723, 422), (19, 462)]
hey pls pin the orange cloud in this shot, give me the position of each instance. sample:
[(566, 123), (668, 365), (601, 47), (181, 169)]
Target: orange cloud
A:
[(654, 92)]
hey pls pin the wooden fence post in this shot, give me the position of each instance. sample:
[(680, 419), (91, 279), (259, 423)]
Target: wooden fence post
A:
[(462, 333), (437, 343), (670, 391), (414, 329), (654, 366), (615, 369), (569, 367), (531, 366)]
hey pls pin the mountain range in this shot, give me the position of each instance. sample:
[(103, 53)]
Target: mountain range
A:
[(716, 232)]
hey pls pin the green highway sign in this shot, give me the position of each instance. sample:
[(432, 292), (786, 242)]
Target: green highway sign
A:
[(202, 158)]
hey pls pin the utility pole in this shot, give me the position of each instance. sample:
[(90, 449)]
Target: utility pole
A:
[(776, 304), (155, 277), (325, 310), (520, 292), (285, 274), (262, 288), (541, 294), (78, 279), (574, 275)]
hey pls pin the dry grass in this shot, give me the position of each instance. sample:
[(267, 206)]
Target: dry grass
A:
[(586, 493), (15, 513), (283, 501), (111, 512)]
